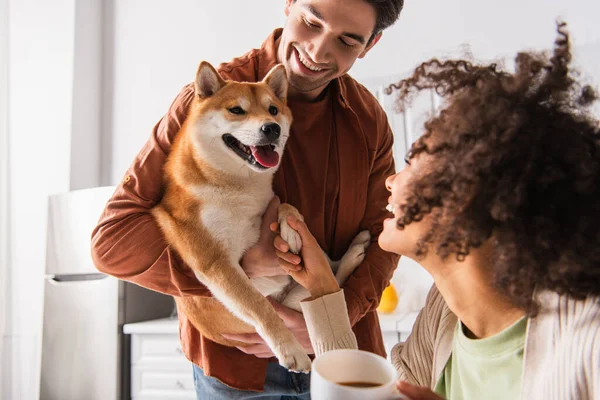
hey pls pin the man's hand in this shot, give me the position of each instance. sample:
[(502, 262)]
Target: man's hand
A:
[(292, 319), (261, 260), (417, 392)]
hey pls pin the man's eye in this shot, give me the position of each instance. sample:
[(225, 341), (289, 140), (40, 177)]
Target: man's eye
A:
[(309, 24), (237, 110), (273, 110), (346, 44)]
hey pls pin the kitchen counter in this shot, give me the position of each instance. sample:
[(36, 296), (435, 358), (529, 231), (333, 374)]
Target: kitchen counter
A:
[(391, 322), (156, 326)]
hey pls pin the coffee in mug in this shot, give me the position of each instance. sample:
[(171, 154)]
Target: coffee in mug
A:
[(349, 374)]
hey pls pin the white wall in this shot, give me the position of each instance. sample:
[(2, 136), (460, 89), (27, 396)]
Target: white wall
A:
[(4, 189), (41, 69), (433, 27), (53, 126)]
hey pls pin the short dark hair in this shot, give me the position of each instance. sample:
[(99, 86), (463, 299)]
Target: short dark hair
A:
[(388, 12), (514, 158)]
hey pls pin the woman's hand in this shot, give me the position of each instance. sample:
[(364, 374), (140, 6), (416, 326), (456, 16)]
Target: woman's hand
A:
[(414, 392), (311, 269)]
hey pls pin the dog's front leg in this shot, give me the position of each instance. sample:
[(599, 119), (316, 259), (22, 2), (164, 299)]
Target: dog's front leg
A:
[(232, 287), (229, 284)]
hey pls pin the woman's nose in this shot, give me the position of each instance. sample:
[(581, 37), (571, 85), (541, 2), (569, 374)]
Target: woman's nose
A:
[(388, 182)]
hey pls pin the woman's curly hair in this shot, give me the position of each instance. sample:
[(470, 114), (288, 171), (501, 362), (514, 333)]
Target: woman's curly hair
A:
[(515, 157)]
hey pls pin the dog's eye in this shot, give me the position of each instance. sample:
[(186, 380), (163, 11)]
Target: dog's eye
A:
[(237, 110), (273, 110)]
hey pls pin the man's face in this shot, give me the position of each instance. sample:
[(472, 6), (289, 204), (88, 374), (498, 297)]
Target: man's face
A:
[(322, 39)]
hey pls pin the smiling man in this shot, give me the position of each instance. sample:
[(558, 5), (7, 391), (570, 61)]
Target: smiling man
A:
[(333, 170), (322, 40)]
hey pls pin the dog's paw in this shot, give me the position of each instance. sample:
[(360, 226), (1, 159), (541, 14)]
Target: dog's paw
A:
[(362, 239), (354, 256), (296, 361), (291, 237), (357, 250)]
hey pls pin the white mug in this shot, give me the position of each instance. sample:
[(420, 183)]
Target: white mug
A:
[(348, 374)]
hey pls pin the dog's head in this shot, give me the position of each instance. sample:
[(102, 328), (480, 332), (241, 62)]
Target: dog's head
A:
[(240, 125)]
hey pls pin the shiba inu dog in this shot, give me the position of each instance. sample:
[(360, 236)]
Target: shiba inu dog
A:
[(218, 183)]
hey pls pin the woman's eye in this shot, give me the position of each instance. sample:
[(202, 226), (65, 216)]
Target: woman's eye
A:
[(236, 110), (273, 110)]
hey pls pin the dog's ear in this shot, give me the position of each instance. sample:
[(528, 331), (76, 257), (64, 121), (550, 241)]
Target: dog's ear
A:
[(278, 82), (208, 81)]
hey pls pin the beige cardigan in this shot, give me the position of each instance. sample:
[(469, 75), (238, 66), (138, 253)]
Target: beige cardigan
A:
[(562, 347)]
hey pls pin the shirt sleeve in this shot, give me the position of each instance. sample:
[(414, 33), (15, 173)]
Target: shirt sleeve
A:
[(127, 242), (328, 324), (414, 358), (364, 287)]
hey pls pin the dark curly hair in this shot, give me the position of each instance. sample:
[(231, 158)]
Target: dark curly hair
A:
[(515, 158)]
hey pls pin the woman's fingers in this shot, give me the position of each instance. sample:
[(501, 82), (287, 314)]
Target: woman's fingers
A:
[(301, 228), (288, 257), (288, 261), (280, 244), (417, 392)]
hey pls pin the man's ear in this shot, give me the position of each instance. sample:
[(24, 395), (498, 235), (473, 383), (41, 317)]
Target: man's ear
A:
[(288, 5), (370, 45), (208, 81), (277, 80)]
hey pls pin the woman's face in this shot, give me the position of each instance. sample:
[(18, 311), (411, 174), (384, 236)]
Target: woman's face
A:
[(392, 239)]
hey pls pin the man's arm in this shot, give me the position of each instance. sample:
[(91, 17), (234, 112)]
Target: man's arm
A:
[(127, 242), (364, 286)]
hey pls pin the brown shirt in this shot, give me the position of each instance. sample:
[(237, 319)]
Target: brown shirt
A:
[(333, 170)]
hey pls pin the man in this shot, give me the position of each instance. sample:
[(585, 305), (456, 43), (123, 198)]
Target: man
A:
[(333, 170)]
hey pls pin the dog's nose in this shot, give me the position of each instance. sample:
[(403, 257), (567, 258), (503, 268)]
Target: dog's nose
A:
[(271, 130)]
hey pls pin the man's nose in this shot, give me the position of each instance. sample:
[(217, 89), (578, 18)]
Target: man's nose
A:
[(318, 50)]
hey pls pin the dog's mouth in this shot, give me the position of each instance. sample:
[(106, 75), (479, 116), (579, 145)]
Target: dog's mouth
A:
[(259, 156)]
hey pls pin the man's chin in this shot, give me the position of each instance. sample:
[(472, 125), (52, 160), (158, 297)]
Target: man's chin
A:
[(303, 86)]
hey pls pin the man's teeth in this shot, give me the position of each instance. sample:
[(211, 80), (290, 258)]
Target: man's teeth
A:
[(307, 65), (391, 208)]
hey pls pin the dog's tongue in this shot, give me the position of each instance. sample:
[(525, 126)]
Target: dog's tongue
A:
[(265, 156)]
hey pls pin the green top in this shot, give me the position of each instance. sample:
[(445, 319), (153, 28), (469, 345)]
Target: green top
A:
[(489, 368)]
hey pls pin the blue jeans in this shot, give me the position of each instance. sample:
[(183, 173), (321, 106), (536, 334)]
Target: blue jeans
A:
[(280, 384)]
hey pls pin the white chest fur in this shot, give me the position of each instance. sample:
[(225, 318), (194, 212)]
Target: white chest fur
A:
[(233, 216)]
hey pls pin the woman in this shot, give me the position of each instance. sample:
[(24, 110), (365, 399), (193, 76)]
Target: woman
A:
[(500, 203)]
